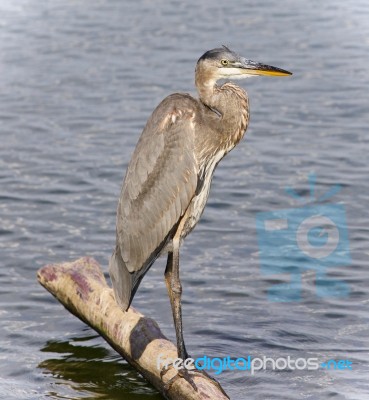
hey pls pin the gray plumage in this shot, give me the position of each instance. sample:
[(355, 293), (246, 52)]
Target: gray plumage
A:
[(169, 176), (160, 182)]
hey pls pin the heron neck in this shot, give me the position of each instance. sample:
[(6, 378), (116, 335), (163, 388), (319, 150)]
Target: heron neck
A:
[(231, 104)]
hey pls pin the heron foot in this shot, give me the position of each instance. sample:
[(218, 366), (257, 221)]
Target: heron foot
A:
[(182, 372), (187, 374)]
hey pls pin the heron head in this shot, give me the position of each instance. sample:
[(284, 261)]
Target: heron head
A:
[(223, 63)]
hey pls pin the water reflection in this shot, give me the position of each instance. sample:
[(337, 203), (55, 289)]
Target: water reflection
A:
[(91, 371)]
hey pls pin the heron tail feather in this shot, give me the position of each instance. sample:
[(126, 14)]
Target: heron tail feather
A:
[(122, 280)]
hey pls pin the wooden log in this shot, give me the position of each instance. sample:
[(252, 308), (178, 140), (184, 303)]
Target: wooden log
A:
[(81, 287)]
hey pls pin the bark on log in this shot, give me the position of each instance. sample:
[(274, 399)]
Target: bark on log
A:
[(81, 287)]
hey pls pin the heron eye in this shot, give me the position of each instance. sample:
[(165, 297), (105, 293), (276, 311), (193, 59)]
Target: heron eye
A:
[(224, 62)]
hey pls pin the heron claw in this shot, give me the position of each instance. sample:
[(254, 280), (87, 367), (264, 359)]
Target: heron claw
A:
[(186, 374), (181, 373)]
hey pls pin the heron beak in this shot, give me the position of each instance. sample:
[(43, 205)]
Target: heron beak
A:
[(249, 67)]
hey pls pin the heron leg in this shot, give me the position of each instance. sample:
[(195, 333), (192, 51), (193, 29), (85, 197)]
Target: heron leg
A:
[(174, 288)]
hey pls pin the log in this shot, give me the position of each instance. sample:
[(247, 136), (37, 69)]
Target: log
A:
[(81, 287)]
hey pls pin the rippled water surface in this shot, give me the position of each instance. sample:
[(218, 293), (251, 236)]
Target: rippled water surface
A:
[(78, 79)]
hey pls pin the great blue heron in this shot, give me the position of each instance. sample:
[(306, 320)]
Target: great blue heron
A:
[(168, 178)]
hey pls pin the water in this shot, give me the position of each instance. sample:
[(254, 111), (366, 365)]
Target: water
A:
[(78, 81)]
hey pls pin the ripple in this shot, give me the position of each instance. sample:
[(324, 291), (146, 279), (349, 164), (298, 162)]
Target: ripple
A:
[(78, 83)]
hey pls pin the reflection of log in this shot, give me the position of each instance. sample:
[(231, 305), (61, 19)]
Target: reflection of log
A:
[(81, 287)]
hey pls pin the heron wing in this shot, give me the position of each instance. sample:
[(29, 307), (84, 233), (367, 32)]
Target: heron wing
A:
[(160, 182)]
